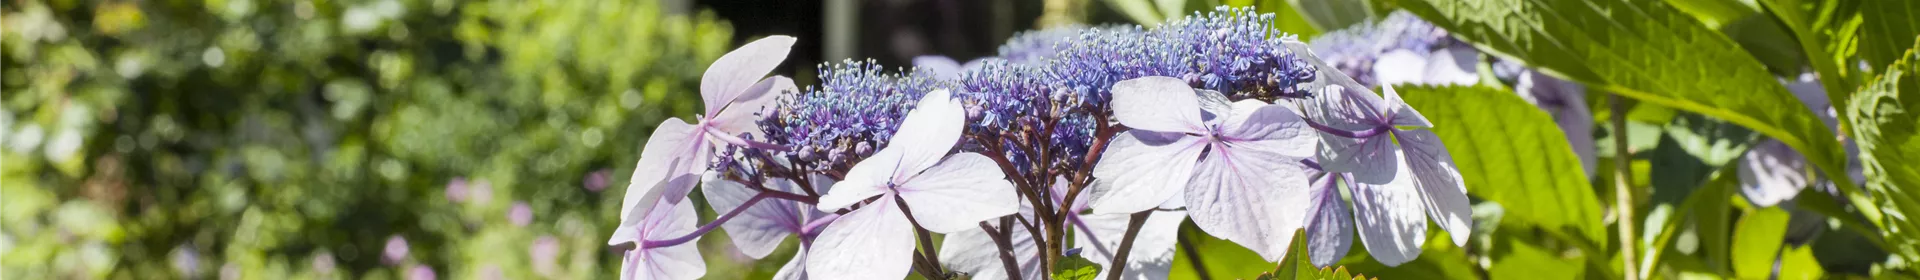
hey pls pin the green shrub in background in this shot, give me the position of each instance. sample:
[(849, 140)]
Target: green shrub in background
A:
[(304, 139)]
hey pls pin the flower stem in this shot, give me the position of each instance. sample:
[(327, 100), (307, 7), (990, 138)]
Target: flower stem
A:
[(1119, 263), (724, 218), (928, 252), (1623, 189), (1006, 246), (1193, 256)]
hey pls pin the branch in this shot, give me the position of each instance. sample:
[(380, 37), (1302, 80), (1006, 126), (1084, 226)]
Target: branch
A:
[(1119, 263), (1622, 181)]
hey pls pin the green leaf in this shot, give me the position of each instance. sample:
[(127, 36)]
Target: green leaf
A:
[(1438, 260), (1714, 13), (1512, 153), (1884, 119), (1708, 209), (1887, 30), (1812, 26), (1299, 266), (1075, 268), (1756, 242), (1143, 12), (1526, 261), (1333, 14), (1646, 50), (1799, 263)]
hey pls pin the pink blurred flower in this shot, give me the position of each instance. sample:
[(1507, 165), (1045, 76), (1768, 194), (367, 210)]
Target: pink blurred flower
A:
[(396, 250), (543, 253), (420, 272), (521, 214), (598, 180)]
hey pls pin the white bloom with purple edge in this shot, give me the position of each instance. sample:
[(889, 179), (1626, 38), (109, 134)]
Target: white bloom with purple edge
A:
[(1237, 166), (946, 194), (1359, 131)]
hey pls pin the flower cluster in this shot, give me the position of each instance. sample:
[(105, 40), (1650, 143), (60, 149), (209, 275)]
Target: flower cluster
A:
[(1114, 135), (853, 112)]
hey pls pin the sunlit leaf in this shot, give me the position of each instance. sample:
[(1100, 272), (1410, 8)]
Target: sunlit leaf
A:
[(1886, 118), (1512, 153)]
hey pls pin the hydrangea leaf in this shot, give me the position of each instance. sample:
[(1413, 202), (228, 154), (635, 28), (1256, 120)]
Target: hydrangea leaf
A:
[(1758, 238), (1512, 153), (1645, 50), (1074, 268), (1885, 118)]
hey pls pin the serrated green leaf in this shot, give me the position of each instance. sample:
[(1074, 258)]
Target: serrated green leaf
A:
[(1887, 30), (1439, 259), (1298, 265), (1074, 268), (1884, 119), (1714, 13), (1512, 153), (1645, 50), (1756, 242)]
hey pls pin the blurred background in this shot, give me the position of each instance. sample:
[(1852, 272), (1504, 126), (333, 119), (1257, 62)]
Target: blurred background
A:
[(397, 139)]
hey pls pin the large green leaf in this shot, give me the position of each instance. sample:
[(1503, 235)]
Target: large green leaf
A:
[(1333, 14), (1756, 242), (1513, 154), (1646, 50), (1886, 30), (1884, 119)]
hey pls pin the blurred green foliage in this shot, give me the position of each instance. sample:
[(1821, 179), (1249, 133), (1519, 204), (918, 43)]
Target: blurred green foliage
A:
[(267, 139)]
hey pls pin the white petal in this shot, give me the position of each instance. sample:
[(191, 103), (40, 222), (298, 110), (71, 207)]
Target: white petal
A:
[(1371, 160), (1329, 223), (973, 252), (1163, 104), (759, 230), (1337, 100), (1214, 105), (624, 234), (1452, 66), (738, 118), (927, 133), (1403, 115), (943, 68), (1141, 169), (673, 262), (873, 242), (728, 78), (1152, 255), (1274, 127), (1441, 189), (958, 193), (1400, 67), (866, 179), (1772, 172), (670, 154), (1249, 196), (1390, 218), (796, 268)]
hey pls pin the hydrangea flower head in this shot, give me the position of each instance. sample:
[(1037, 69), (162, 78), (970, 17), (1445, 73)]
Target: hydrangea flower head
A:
[(854, 111)]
